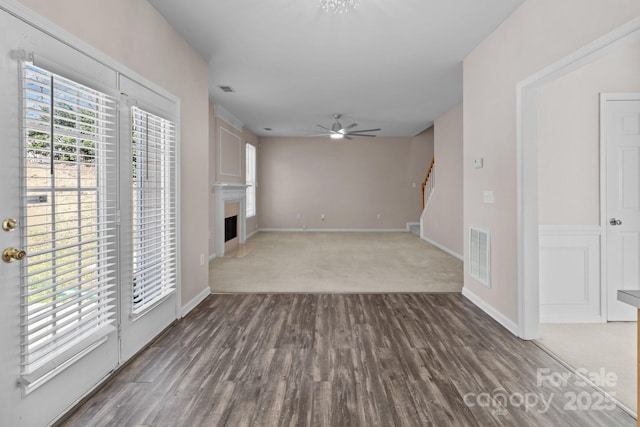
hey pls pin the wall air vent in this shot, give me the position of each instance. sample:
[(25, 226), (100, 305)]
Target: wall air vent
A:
[(480, 255), (226, 88)]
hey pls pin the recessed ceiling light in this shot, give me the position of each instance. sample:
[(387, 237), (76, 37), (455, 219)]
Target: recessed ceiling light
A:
[(226, 88)]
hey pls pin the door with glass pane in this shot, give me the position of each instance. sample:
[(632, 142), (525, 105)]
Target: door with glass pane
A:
[(58, 170), (149, 244)]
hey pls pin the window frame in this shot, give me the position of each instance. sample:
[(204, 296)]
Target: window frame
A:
[(251, 183)]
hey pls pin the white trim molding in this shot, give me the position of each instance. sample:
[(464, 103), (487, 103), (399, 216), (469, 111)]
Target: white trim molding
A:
[(220, 156), (443, 248), (228, 193), (222, 113), (253, 233), (570, 279), (507, 323), (195, 301), (527, 169), (212, 257)]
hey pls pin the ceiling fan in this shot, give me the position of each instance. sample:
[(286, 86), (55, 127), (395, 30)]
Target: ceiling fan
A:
[(337, 131)]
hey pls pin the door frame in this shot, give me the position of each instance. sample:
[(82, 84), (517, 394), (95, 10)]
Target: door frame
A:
[(48, 28), (604, 282), (527, 168), (31, 18)]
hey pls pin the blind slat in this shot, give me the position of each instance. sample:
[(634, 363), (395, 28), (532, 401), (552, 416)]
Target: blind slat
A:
[(154, 217), (68, 279)]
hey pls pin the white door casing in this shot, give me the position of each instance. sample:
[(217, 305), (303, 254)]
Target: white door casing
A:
[(621, 140), (43, 401), (42, 404)]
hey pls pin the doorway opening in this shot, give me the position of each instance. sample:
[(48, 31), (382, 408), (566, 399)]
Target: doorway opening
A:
[(561, 248)]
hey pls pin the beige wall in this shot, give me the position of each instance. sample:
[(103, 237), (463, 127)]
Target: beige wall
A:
[(533, 37), (420, 155), (155, 50), (351, 182), (443, 219), (227, 154), (212, 177), (569, 136)]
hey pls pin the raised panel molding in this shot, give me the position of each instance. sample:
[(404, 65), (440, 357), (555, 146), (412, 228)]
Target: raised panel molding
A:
[(570, 282), (230, 153)]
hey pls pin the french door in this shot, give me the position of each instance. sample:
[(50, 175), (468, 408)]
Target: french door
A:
[(88, 212), (149, 204)]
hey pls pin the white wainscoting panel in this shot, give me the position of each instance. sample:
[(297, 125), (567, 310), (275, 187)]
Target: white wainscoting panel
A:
[(570, 282)]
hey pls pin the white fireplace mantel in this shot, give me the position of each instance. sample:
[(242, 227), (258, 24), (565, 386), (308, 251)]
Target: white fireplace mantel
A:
[(228, 193)]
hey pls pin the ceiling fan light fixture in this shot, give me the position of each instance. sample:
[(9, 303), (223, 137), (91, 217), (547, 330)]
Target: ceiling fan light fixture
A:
[(337, 135), (338, 7)]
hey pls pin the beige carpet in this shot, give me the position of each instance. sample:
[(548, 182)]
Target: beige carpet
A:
[(601, 346), (336, 262)]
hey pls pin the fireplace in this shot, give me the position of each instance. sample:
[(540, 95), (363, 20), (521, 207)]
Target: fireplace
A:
[(230, 228), (229, 216)]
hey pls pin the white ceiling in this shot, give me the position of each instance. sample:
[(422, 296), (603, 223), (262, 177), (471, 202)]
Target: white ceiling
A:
[(393, 64)]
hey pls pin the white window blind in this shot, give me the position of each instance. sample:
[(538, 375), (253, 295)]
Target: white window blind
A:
[(154, 209), (250, 180), (69, 219)]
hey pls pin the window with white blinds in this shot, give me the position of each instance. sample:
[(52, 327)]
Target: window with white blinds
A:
[(69, 218), (154, 209), (250, 179)]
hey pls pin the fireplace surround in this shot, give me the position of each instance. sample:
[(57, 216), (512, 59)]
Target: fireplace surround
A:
[(225, 193)]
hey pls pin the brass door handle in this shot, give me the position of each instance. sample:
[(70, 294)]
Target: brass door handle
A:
[(10, 254), (9, 224)]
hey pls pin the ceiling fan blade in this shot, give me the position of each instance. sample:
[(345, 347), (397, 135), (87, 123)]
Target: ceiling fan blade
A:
[(351, 126), (357, 134), (365, 130), (325, 128), (346, 137)]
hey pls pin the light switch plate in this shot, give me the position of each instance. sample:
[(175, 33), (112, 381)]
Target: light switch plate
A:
[(487, 196), (478, 163)]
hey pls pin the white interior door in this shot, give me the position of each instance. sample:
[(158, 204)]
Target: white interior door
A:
[(622, 140), (57, 305)]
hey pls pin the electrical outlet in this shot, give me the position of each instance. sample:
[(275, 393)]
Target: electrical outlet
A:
[(379, 216), (322, 217)]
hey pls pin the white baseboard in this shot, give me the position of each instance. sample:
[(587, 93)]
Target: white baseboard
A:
[(252, 234), (443, 248), (336, 230), (510, 325), (212, 257), (195, 301)]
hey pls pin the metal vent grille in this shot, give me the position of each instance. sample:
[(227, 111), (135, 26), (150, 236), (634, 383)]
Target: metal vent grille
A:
[(480, 255), (226, 88)]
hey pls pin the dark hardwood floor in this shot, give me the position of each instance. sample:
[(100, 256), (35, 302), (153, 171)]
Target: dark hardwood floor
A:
[(343, 360)]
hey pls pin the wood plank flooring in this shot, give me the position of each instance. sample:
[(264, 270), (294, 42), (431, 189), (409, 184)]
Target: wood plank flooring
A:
[(342, 360)]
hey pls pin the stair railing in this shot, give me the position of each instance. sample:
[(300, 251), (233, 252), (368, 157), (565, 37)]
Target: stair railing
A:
[(429, 182)]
